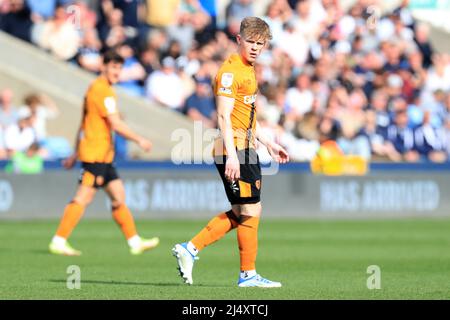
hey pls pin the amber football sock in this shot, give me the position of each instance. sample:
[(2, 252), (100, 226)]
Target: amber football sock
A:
[(247, 234), (72, 215), (124, 219), (215, 229)]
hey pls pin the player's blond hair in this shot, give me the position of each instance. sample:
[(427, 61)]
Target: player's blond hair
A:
[(255, 28)]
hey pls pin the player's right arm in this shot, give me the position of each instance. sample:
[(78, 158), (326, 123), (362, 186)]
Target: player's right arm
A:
[(119, 126), (225, 106)]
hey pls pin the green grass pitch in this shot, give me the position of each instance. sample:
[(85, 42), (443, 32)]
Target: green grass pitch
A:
[(313, 260)]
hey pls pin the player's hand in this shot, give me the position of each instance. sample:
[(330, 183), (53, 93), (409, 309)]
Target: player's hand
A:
[(232, 169), (145, 144), (278, 153), (70, 161)]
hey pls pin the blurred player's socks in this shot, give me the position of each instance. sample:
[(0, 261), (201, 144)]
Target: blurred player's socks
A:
[(247, 233), (72, 214), (214, 230), (124, 219)]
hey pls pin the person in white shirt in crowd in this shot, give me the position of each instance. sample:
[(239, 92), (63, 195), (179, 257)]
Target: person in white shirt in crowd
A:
[(165, 86), (438, 77), (299, 99), (59, 35), (21, 135), (40, 108)]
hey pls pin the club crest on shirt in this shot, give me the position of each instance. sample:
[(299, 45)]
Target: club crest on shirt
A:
[(227, 80)]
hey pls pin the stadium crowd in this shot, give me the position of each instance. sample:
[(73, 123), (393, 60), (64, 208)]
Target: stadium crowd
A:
[(375, 85)]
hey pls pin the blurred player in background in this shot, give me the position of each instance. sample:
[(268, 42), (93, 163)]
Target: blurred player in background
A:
[(236, 159), (95, 149)]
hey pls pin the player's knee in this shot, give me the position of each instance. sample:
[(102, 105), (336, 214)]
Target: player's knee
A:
[(115, 204), (82, 201), (252, 210)]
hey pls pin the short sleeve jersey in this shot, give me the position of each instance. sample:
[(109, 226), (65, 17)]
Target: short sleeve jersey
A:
[(236, 79), (96, 141)]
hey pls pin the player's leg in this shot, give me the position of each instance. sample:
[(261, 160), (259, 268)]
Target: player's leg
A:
[(247, 234), (249, 187), (186, 252), (72, 215), (216, 228), (123, 217)]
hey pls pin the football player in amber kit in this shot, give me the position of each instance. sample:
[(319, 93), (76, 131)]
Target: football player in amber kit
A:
[(95, 149), (236, 160)]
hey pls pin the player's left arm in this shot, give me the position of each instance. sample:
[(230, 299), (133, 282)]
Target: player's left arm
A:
[(70, 161), (277, 152)]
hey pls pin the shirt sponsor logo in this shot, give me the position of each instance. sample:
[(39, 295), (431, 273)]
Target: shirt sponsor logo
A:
[(227, 80), (250, 99), (225, 90)]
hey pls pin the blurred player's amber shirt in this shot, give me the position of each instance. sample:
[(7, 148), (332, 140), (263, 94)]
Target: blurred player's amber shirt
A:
[(236, 79), (96, 142)]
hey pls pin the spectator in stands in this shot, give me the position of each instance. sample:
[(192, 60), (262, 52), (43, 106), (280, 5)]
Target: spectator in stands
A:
[(351, 120), (377, 137), (40, 108), (430, 141), (299, 99), (149, 59), (17, 20), (421, 38), (200, 106), (187, 81), (26, 162), (438, 77), (130, 10), (352, 141), (162, 13), (21, 135), (133, 73), (59, 36), (294, 44), (307, 22), (42, 9), (402, 137), (89, 57), (239, 9), (114, 32), (8, 113), (165, 87), (275, 19)]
